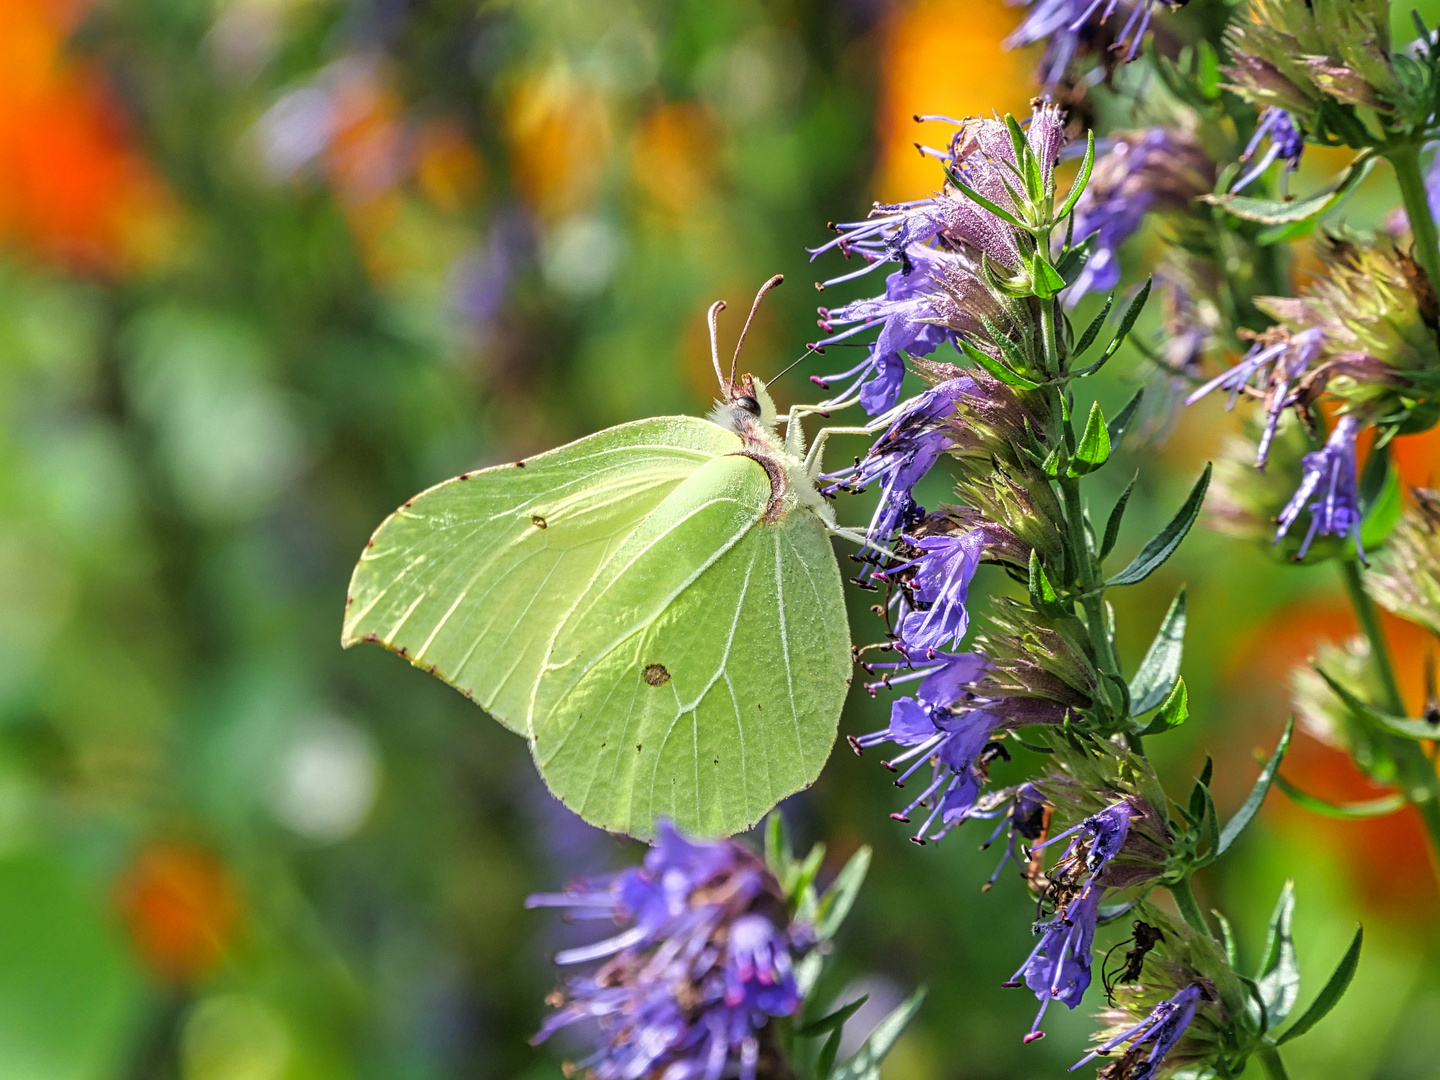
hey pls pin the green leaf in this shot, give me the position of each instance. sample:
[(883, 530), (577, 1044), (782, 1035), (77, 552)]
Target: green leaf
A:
[(840, 897), (1160, 670), (1112, 525), (1127, 323), (995, 367), (865, 1065), (1276, 212), (1093, 330), (1174, 711), (1227, 938), (1279, 977), (1393, 725), (1383, 514), (1334, 990), (1386, 804), (1008, 349), (980, 200), (1045, 278), (1121, 423), (1073, 259), (1164, 543), (832, 1021), (1081, 178), (777, 847), (1042, 593), (1251, 806), (1094, 448)]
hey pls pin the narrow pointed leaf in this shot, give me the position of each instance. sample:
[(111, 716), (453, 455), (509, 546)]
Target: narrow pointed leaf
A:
[(1047, 279), (1164, 543), (1081, 178), (984, 203), (865, 1065), (1072, 261), (1402, 726), (1251, 806), (1386, 804), (1160, 670), (832, 1021), (1094, 447), (1127, 321), (1112, 526), (1174, 711), (1278, 212), (996, 368), (1122, 421), (1227, 938), (1093, 330), (1334, 990), (1279, 978), (1042, 593), (840, 897)]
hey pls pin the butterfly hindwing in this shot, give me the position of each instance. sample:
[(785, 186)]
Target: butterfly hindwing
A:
[(471, 579), (700, 678)]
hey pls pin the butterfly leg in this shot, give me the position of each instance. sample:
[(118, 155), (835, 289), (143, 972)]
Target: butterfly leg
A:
[(817, 448)]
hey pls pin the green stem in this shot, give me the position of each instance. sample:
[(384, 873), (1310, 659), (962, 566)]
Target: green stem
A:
[(1405, 158), (1274, 1068), (1415, 771), (1184, 897), (1050, 341), (1093, 605)]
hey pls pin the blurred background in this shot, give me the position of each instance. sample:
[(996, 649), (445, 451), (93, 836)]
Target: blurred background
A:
[(267, 268)]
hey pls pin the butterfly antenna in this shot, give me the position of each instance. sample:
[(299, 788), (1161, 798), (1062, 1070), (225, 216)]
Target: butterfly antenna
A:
[(776, 280), (715, 309)]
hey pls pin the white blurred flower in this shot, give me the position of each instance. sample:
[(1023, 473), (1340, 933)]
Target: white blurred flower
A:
[(327, 781), (580, 255)]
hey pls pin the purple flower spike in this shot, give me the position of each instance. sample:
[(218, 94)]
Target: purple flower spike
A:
[(1059, 966), (703, 961), (1163, 1028), (940, 589), (906, 312), (900, 458), (1065, 26), (934, 727), (1272, 369), (1329, 477), (1286, 143)]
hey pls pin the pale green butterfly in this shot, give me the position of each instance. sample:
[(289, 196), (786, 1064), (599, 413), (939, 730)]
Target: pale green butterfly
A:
[(656, 607)]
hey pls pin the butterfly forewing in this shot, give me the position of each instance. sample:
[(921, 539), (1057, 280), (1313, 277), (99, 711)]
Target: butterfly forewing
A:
[(471, 579), (701, 676)]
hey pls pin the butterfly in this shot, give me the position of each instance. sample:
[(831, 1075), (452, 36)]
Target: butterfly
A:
[(656, 607)]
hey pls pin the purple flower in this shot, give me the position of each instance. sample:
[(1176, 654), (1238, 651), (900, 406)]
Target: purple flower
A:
[(1287, 142), (935, 727), (1154, 169), (1272, 369), (937, 615), (900, 458), (1059, 966), (907, 316), (1065, 26), (1329, 478), (1021, 811), (702, 963), (1163, 1028), (939, 241)]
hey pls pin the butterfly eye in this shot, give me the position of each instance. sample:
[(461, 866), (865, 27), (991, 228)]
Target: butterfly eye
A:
[(749, 404)]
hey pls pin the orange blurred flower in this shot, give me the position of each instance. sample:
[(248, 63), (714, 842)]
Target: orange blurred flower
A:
[(560, 134), (181, 908), (942, 56), (73, 189), (673, 155), (447, 169)]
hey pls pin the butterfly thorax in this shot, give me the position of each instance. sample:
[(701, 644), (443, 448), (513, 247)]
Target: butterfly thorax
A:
[(749, 411)]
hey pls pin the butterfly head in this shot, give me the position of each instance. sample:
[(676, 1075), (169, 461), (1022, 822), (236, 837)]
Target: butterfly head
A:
[(744, 407)]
